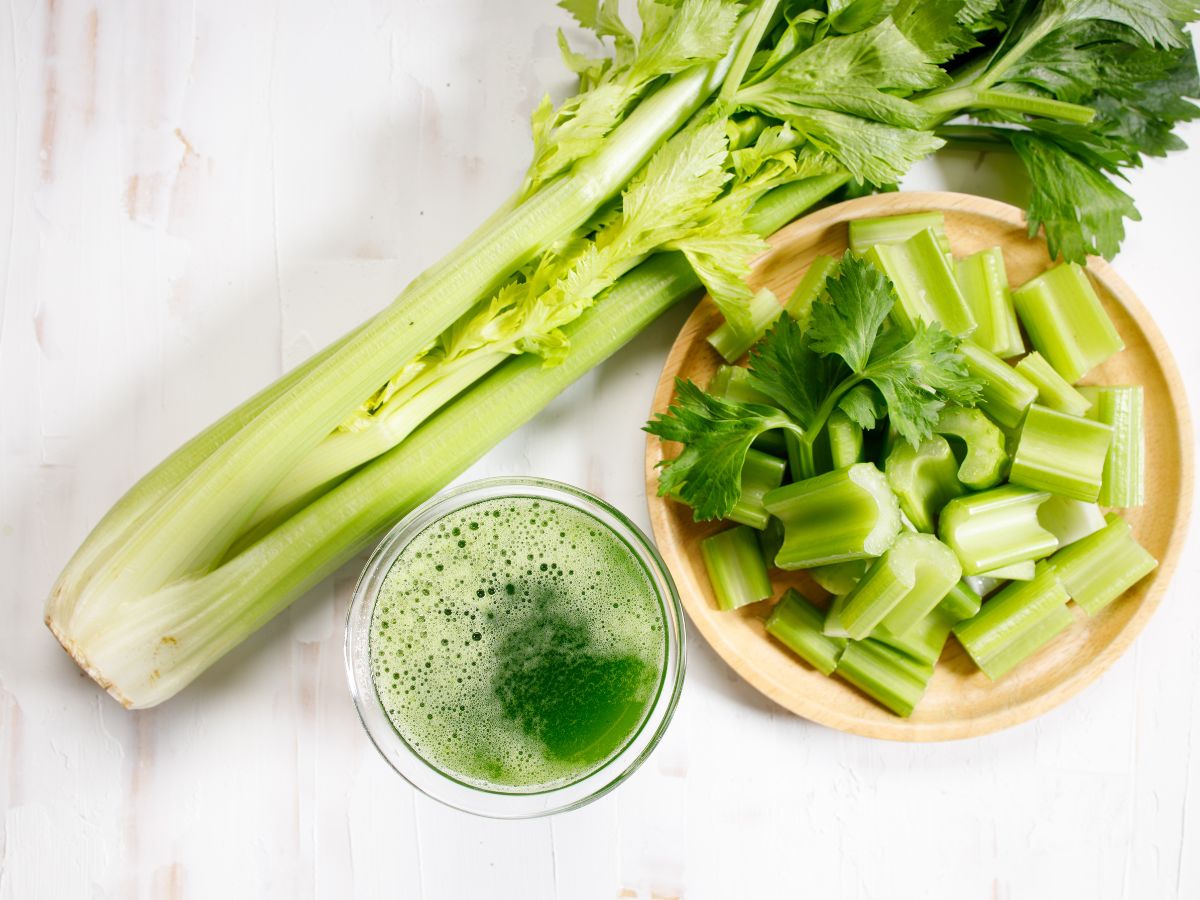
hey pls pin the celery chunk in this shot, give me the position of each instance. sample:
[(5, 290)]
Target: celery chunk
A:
[(761, 473), (849, 513), (797, 624), (1120, 407), (901, 587), (924, 479), (865, 233), (985, 458), (1016, 622), (736, 567), (732, 342), (1054, 391), (984, 284), (1061, 454), (820, 270), (926, 290), (845, 440), (962, 602), (1102, 566), (1066, 322), (885, 675), (1005, 393), (996, 528)]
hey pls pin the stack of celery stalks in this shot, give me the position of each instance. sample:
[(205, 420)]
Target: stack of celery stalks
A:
[(892, 436)]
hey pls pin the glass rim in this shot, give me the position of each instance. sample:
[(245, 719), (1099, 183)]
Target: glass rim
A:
[(444, 787)]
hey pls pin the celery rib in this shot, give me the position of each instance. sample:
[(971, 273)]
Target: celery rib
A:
[(1099, 568), (984, 284), (1120, 407), (1061, 454), (735, 567), (996, 528), (797, 624), (926, 289)]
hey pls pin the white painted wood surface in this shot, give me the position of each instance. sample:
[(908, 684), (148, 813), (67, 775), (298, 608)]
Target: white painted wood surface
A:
[(195, 197)]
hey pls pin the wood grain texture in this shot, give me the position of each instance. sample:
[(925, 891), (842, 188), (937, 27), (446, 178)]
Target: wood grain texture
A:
[(960, 701)]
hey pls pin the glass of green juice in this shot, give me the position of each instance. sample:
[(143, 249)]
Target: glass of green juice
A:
[(515, 647)]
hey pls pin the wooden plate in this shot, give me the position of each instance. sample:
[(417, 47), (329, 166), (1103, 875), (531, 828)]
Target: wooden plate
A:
[(960, 702)]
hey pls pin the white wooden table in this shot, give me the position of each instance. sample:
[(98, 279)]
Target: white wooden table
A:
[(197, 196)]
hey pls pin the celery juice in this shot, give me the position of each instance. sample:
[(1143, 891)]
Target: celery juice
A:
[(517, 644)]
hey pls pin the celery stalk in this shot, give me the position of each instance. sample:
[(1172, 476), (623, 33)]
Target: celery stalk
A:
[(924, 641), (925, 286), (1066, 322), (984, 284), (1070, 520), (761, 473), (1018, 571), (732, 342), (901, 587), (846, 514), (845, 440), (797, 624), (834, 627), (885, 675), (1015, 623), (865, 233), (996, 528), (820, 270), (961, 603), (923, 479), (1102, 566), (735, 567), (1054, 391), (840, 578), (984, 458), (1061, 454), (1120, 407), (1006, 394)]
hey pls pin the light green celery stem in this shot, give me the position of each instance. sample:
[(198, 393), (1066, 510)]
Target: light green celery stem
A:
[(1066, 322), (984, 458), (797, 624), (1102, 566), (866, 233), (343, 451), (926, 289), (885, 675), (761, 473), (901, 587), (996, 528), (735, 567), (203, 516), (116, 525), (216, 612), (1070, 520), (1046, 107), (961, 603), (840, 578), (845, 440), (780, 206), (763, 17), (1061, 454), (1015, 623), (820, 270), (833, 626), (1018, 571), (1005, 394), (1120, 407), (1054, 391), (846, 514), (924, 479), (732, 342), (924, 641), (984, 284)]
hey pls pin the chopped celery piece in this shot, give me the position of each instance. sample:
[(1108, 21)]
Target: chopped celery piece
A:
[(846, 514), (1104, 565), (840, 578), (983, 584), (996, 528), (1005, 393), (924, 479), (734, 383), (736, 567), (1061, 454), (984, 284), (1065, 321), (961, 603), (806, 460), (770, 539), (1018, 571), (1053, 390), (845, 440), (924, 641), (885, 675), (1070, 520), (820, 270), (761, 473), (834, 627), (901, 587), (797, 624), (985, 458), (1120, 406), (925, 286), (731, 341), (865, 233), (1015, 623)]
